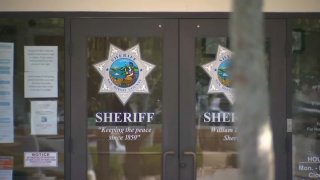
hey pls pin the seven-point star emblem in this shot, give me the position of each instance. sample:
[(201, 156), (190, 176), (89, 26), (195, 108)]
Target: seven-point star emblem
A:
[(219, 72), (124, 73)]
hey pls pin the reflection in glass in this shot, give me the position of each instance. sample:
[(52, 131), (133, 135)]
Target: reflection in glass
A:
[(216, 141), (114, 153), (306, 99)]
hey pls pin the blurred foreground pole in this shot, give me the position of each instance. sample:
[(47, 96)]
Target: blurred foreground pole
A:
[(251, 91)]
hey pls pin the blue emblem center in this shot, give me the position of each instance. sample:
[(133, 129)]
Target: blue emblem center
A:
[(224, 73), (124, 72)]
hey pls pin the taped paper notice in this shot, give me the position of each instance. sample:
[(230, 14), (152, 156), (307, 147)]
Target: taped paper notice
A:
[(41, 71), (40, 159), (41, 58), (44, 117), (6, 93), (40, 84)]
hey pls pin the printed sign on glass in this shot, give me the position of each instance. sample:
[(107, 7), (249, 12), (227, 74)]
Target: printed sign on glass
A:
[(6, 92), (40, 159)]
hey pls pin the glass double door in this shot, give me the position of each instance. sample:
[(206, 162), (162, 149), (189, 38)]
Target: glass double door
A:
[(140, 107)]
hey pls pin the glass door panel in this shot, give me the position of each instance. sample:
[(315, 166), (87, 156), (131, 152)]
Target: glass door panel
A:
[(113, 150), (207, 133), (306, 99), (126, 113), (216, 133)]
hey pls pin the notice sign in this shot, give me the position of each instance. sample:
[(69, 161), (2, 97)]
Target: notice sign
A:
[(41, 71), (6, 58), (6, 110), (40, 159), (41, 58), (44, 117), (40, 84), (6, 93), (6, 166)]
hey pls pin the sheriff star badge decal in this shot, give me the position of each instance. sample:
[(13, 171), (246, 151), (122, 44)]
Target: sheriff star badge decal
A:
[(124, 73), (219, 72)]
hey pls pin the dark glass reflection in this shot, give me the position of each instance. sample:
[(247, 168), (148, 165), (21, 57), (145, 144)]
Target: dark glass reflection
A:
[(306, 99), (216, 141)]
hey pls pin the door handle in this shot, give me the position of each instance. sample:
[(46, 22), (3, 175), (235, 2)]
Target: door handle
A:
[(194, 158), (168, 153)]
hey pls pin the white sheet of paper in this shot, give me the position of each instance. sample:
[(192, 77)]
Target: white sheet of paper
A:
[(44, 117), (41, 58), (6, 110), (6, 93), (40, 84), (40, 159), (6, 174), (6, 59)]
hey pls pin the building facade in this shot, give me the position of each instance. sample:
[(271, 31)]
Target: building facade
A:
[(141, 91)]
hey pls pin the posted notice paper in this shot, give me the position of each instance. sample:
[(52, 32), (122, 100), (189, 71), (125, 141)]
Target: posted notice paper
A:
[(6, 58), (40, 159), (40, 84), (41, 58), (6, 93), (41, 71), (44, 117)]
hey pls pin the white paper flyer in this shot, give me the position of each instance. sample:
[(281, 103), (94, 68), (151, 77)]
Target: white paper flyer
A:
[(44, 117), (41, 58), (41, 159), (40, 85), (41, 71), (6, 93)]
